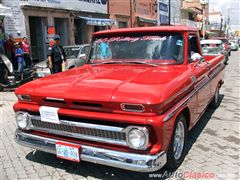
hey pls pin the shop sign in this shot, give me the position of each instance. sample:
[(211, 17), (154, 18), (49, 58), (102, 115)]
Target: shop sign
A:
[(164, 19), (163, 7), (15, 24)]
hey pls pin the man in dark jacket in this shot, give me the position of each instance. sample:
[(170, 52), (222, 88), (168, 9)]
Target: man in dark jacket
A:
[(56, 56)]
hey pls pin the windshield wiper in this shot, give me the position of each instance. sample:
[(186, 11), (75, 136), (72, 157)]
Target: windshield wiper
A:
[(108, 62), (140, 62), (125, 62)]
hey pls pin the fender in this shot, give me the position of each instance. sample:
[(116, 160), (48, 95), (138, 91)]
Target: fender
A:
[(170, 124)]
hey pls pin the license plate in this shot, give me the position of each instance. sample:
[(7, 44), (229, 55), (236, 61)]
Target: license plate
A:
[(68, 151), (49, 114)]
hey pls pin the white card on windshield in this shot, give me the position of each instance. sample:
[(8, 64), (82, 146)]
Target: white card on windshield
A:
[(49, 114)]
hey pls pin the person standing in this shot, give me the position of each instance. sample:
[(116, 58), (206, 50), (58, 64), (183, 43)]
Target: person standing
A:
[(2, 50), (19, 57), (10, 51), (56, 56), (26, 52)]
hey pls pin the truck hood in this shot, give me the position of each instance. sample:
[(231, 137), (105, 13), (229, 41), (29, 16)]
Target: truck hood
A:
[(118, 83)]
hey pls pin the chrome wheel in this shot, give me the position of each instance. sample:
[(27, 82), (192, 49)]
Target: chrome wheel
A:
[(179, 138)]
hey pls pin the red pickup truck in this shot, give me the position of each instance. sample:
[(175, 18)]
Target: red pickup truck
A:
[(131, 106)]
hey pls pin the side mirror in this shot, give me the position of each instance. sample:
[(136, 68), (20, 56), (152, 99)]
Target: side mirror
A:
[(196, 57), (83, 57)]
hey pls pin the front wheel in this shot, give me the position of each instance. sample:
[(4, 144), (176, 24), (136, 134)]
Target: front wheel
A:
[(216, 100), (229, 53), (177, 148)]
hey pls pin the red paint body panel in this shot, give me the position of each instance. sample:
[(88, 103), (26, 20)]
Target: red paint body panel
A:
[(162, 90)]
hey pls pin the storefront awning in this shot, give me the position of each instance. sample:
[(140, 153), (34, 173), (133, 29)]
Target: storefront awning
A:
[(98, 21), (147, 20)]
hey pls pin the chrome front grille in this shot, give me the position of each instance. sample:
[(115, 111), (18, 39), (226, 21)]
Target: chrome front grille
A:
[(80, 130), (85, 131)]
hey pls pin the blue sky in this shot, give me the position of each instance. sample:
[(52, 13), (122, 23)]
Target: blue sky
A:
[(225, 6)]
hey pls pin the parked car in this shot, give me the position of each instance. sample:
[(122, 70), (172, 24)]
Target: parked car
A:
[(76, 56), (234, 45), (214, 47), (131, 106), (10, 78), (226, 44)]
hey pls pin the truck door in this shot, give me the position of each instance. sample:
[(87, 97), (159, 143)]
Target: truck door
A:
[(199, 76)]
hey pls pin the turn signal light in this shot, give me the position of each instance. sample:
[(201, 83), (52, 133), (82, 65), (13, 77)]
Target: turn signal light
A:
[(24, 97), (132, 107)]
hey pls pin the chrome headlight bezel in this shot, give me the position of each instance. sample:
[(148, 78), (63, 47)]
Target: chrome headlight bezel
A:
[(22, 119), (142, 130)]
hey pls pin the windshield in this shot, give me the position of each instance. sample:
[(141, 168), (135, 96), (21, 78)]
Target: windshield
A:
[(72, 52), (211, 50), (167, 49)]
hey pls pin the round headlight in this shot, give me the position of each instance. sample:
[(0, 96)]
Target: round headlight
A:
[(22, 119), (137, 138)]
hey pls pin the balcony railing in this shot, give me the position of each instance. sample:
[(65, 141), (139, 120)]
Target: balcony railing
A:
[(188, 22)]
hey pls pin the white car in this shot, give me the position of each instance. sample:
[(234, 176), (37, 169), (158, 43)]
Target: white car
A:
[(234, 45), (214, 47), (75, 55)]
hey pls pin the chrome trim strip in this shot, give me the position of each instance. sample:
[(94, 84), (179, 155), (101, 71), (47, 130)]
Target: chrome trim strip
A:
[(55, 99), (123, 160), (187, 98)]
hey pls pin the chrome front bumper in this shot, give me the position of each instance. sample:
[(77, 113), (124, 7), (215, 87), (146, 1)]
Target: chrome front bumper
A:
[(123, 160)]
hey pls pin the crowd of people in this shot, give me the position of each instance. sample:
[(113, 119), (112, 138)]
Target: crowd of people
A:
[(17, 52)]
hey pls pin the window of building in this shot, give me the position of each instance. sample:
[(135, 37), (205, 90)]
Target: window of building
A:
[(191, 16), (122, 24)]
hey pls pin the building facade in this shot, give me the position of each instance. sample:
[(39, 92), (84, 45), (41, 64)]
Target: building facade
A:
[(217, 23), (133, 13), (40, 19), (170, 15), (192, 14)]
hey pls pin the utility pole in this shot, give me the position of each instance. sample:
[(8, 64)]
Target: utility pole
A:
[(228, 23), (221, 26), (169, 12), (131, 21), (204, 3)]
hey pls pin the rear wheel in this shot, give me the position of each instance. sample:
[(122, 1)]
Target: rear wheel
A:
[(216, 100), (177, 148)]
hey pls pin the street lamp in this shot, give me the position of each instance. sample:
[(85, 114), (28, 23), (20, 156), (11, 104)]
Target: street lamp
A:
[(228, 20), (169, 12), (204, 3)]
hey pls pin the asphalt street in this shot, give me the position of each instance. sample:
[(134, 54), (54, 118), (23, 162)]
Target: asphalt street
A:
[(213, 145)]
